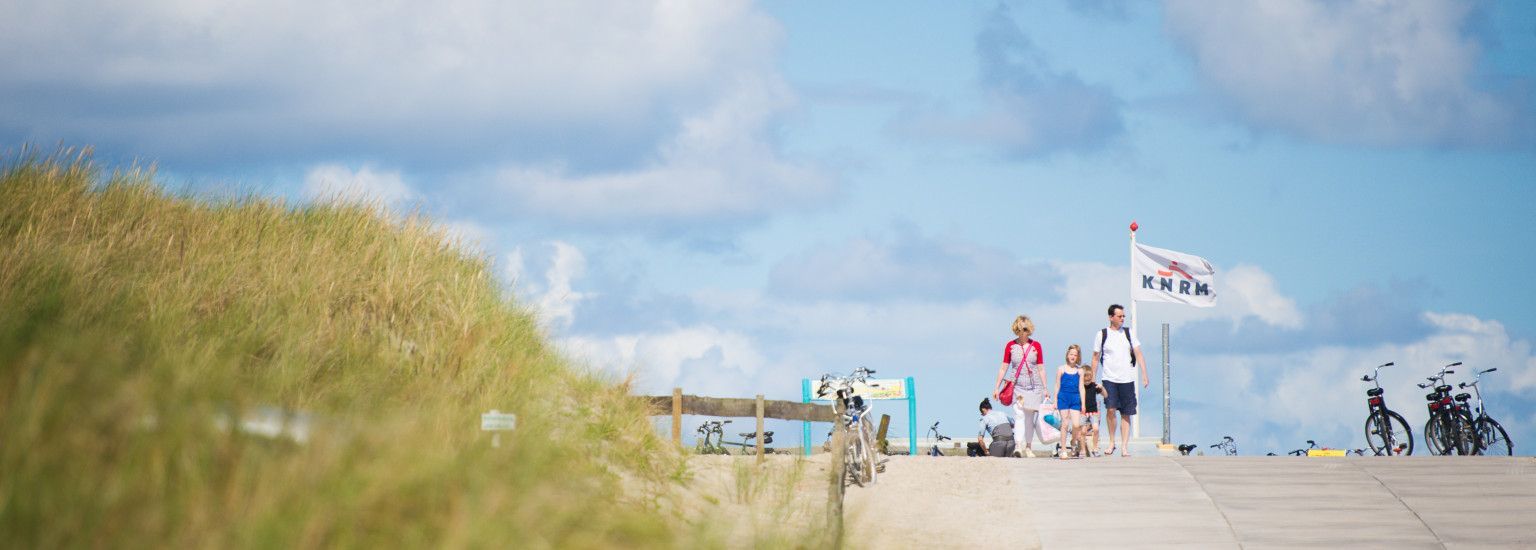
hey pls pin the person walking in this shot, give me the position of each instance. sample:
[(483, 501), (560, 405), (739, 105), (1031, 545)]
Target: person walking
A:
[(1069, 402), (1118, 351), (1091, 393), (1021, 364)]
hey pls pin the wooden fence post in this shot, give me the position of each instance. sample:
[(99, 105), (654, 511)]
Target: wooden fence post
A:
[(759, 428), (677, 416), (836, 457)]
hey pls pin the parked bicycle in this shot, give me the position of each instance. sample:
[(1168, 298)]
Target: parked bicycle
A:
[(1450, 429), (933, 432), (748, 443), (1492, 439), (1385, 431), (1303, 452), (859, 457), (711, 434), (1227, 446)]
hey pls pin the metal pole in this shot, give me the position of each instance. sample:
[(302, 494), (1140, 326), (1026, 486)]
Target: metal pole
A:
[(1135, 419), (911, 416), (1167, 420)]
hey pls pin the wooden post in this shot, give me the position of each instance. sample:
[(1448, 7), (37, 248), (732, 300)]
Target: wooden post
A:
[(759, 428), (677, 416), (880, 441), (836, 457)]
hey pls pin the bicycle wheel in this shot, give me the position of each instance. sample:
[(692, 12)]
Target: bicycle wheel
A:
[(1385, 431), (867, 434), (851, 460), (858, 459), (1494, 439), (1467, 440), (1435, 437)]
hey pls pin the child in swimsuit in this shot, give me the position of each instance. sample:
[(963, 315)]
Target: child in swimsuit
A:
[(1069, 401)]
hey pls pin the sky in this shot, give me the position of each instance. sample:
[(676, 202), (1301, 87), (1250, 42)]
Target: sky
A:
[(729, 197)]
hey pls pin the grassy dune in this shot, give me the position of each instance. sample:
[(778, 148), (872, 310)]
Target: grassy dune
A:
[(137, 327)]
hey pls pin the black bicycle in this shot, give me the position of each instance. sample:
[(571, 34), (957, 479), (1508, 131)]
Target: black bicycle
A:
[(1385, 430), (1227, 446), (1450, 429), (1492, 439), (1303, 452)]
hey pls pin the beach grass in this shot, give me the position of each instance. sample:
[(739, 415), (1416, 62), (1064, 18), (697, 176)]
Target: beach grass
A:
[(141, 329)]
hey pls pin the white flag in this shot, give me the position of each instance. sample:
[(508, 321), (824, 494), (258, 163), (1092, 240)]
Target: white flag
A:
[(1159, 275)]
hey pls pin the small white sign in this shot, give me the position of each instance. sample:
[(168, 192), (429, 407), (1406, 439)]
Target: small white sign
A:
[(497, 421), (886, 388)]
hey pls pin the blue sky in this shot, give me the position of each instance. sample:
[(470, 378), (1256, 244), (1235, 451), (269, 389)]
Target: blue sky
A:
[(731, 196)]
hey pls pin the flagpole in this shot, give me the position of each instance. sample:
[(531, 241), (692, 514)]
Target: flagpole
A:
[(1135, 419)]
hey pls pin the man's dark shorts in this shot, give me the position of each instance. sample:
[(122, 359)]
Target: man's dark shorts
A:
[(1122, 397)]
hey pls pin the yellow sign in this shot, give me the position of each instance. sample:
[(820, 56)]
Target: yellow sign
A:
[(1326, 452), (890, 388)]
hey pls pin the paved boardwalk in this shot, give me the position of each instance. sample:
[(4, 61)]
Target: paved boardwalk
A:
[(1247, 502)]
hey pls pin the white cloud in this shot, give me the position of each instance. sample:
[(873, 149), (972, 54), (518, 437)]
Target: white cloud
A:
[(1253, 291), (458, 79), (703, 360), (365, 185), (1355, 71), (719, 166), (554, 299)]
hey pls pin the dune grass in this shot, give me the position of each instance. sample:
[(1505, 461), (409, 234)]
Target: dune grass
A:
[(138, 327)]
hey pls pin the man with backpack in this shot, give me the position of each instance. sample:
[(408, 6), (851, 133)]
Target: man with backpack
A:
[(1117, 354)]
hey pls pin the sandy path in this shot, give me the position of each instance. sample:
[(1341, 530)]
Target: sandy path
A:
[(945, 502)]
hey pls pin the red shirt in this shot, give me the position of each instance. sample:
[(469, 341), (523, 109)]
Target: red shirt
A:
[(1013, 355)]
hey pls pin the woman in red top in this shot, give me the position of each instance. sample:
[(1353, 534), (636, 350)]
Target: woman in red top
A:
[(1021, 363)]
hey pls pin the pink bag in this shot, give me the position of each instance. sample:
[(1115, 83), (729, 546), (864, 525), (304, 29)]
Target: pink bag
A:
[(1048, 433)]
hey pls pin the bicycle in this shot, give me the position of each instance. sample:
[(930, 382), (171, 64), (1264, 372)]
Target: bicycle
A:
[(1449, 428), (1385, 431), (1303, 452), (711, 430), (938, 438), (1490, 433), (1227, 446), (859, 455), (748, 443)]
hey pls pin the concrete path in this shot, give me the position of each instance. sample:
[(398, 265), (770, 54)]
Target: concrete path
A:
[(1234, 502)]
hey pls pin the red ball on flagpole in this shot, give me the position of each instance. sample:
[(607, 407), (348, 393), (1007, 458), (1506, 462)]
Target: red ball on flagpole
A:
[(1134, 227)]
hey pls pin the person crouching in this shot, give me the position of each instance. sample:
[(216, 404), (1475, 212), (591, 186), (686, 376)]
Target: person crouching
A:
[(997, 425)]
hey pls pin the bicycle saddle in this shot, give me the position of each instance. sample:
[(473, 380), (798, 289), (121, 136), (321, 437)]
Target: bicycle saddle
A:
[(1443, 389), (1463, 396), (1373, 392), (768, 433)]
